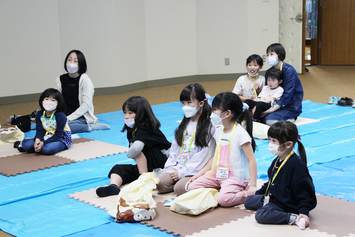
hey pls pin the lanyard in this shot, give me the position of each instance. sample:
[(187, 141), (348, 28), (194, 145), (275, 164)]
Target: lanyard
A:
[(134, 132), (282, 63), (182, 143), (43, 124), (278, 170), (229, 143), (256, 95)]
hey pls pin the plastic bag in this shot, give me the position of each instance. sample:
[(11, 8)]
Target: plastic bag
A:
[(135, 201), (195, 201), (11, 134)]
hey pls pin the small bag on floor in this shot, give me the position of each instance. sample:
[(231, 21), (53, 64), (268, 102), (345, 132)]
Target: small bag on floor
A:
[(22, 122), (195, 202), (11, 134), (135, 201)]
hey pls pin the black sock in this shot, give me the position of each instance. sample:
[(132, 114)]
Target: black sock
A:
[(112, 189)]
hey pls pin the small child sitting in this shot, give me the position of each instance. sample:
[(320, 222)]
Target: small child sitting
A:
[(269, 95)]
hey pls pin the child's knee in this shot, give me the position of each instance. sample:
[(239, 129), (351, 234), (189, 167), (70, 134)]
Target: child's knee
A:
[(261, 215), (232, 199)]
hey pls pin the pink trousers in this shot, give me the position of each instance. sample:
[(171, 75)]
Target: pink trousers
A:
[(230, 191)]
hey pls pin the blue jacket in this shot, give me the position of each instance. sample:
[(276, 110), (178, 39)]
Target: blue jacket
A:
[(291, 100)]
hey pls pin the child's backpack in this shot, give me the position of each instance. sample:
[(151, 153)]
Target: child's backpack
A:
[(22, 122)]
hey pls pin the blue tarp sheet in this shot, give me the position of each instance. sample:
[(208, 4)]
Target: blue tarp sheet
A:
[(36, 203)]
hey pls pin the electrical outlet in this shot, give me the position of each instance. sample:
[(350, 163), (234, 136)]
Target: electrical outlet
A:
[(226, 61)]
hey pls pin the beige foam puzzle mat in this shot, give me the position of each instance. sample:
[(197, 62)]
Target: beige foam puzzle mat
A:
[(13, 162), (182, 225), (331, 217), (90, 150), (106, 203), (28, 162)]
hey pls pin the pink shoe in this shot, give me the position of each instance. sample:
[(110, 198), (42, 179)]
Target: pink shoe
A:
[(8, 121)]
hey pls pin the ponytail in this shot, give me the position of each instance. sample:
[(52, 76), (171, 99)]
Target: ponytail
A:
[(240, 111), (302, 151)]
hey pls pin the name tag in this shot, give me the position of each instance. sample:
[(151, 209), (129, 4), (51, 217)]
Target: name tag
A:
[(222, 173), (185, 158)]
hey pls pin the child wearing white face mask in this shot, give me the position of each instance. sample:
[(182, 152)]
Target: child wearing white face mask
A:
[(52, 130), (250, 85), (148, 145), (289, 194), (193, 144), (232, 169)]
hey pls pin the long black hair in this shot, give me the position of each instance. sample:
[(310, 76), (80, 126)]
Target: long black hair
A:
[(230, 101), (285, 131), (51, 92), (144, 113), (204, 125)]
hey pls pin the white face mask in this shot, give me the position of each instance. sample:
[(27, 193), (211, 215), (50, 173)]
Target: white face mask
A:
[(129, 122), (72, 68), (216, 119), (256, 74), (272, 60), (274, 149), (189, 111), (49, 106)]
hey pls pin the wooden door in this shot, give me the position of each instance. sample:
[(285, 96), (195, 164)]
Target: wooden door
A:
[(336, 32)]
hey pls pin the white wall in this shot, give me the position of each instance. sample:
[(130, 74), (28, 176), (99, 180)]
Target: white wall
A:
[(127, 42), (170, 38), (30, 52)]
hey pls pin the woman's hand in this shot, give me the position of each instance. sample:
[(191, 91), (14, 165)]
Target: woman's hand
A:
[(174, 175)]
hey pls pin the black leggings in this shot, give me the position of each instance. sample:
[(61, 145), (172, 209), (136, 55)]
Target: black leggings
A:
[(260, 107)]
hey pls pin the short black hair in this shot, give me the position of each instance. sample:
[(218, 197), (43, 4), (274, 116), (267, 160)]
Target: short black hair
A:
[(81, 61), (61, 107), (256, 58), (275, 74), (144, 113), (278, 49)]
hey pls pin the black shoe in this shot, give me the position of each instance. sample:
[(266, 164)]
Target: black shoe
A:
[(16, 144), (345, 101), (110, 190)]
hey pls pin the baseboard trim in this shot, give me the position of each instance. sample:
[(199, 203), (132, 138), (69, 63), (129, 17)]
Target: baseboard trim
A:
[(131, 87)]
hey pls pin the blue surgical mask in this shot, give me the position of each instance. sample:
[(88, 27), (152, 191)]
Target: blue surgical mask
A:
[(272, 60)]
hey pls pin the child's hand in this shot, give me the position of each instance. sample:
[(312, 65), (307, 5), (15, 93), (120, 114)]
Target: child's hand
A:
[(252, 97), (174, 175), (38, 146), (193, 178), (251, 191), (256, 86)]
